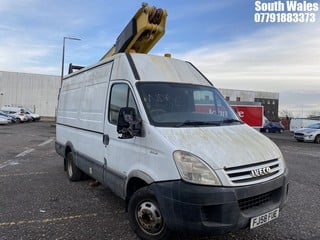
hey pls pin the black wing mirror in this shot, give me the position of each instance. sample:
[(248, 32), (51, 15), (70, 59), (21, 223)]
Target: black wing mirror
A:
[(128, 124)]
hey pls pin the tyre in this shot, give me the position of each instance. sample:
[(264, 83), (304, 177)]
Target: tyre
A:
[(317, 139), (74, 173), (145, 216), (267, 130)]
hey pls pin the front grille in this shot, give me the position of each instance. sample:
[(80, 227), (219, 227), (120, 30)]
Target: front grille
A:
[(217, 213), (298, 134), (255, 201), (251, 173)]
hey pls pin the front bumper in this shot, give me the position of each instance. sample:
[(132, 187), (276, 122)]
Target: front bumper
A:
[(217, 210), (304, 138)]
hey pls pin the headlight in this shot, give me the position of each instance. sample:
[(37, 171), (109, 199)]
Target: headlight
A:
[(193, 169)]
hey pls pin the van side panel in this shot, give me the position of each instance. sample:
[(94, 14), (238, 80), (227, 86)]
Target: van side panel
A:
[(91, 115), (80, 118)]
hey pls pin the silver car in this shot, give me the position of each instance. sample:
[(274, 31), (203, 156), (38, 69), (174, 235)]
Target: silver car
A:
[(4, 120), (31, 115), (4, 115), (19, 116), (309, 134)]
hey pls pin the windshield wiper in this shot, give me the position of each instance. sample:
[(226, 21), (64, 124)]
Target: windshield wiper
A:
[(231, 120), (197, 123)]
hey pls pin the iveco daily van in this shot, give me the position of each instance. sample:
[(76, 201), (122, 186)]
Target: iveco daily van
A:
[(159, 134)]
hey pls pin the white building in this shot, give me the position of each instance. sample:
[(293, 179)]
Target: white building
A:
[(269, 100), (35, 91), (40, 93)]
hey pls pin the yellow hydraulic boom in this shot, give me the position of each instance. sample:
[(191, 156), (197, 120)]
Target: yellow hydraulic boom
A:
[(142, 32)]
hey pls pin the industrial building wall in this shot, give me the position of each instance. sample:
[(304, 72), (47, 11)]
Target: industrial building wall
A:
[(246, 95), (269, 100), (40, 93), (35, 91)]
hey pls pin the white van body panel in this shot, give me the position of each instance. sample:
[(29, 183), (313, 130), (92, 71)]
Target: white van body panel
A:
[(223, 147), (226, 147), (82, 106), (151, 155), (82, 101)]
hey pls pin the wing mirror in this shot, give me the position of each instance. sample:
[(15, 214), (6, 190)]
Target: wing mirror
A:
[(128, 124)]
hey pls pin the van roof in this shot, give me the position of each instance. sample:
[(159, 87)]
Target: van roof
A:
[(11, 108), (146, 67)]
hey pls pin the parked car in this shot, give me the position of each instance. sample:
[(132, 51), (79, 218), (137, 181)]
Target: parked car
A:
[(12, 119), (22, 111), (309, 134), (31, 115), (19, 116), (4, 120), (275, 127)]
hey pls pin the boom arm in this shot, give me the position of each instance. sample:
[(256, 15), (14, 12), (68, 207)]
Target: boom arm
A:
[(142, 32)]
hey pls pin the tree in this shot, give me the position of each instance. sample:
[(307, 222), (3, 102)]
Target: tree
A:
[(285, 113)]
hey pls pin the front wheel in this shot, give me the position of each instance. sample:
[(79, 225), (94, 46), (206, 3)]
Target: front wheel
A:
[(317, 139), (145, 216)]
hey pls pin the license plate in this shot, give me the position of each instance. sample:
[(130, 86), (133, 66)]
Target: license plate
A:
[(264, 218)]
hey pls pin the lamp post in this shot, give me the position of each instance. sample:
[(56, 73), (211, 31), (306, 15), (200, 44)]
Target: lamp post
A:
[(1, 96), (63, 49)]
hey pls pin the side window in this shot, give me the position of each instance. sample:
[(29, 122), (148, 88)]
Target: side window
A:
[(121, 96)]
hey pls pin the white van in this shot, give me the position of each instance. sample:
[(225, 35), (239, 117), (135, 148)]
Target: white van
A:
[(298, 123), (161, 136)]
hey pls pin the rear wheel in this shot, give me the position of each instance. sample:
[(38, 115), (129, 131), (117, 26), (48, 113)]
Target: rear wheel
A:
[(145, 216), (74, 173), (317, 139)]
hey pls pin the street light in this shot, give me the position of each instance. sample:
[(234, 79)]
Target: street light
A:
[(1, 95), (63, 48)]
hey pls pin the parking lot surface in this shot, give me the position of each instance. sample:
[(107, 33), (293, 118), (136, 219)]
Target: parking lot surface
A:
[(37, 201)]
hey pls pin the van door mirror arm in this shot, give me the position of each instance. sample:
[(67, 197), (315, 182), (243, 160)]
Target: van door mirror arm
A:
[(128, 125)]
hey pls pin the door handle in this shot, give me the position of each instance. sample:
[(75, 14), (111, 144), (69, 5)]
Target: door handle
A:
[(106, 139)]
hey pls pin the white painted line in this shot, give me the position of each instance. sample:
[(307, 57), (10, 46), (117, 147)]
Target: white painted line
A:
[(22, 154), (8, 163), (48, 220), (22, 174), (45, 142), (25, 152)]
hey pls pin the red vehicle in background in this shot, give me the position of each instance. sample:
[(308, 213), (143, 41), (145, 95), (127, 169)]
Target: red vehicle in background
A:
[(250, 114)]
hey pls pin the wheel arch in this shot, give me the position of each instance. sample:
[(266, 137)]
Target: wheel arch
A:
[(69, 148), (136, 180)]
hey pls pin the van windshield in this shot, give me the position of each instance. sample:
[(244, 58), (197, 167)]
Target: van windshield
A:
[(180, 105)]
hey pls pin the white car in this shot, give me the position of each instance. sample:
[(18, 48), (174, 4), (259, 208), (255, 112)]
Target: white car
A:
[(309, 134), (31, 115), (19, 116)]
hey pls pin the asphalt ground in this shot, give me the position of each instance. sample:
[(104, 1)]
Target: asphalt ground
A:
[(37, 201)]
